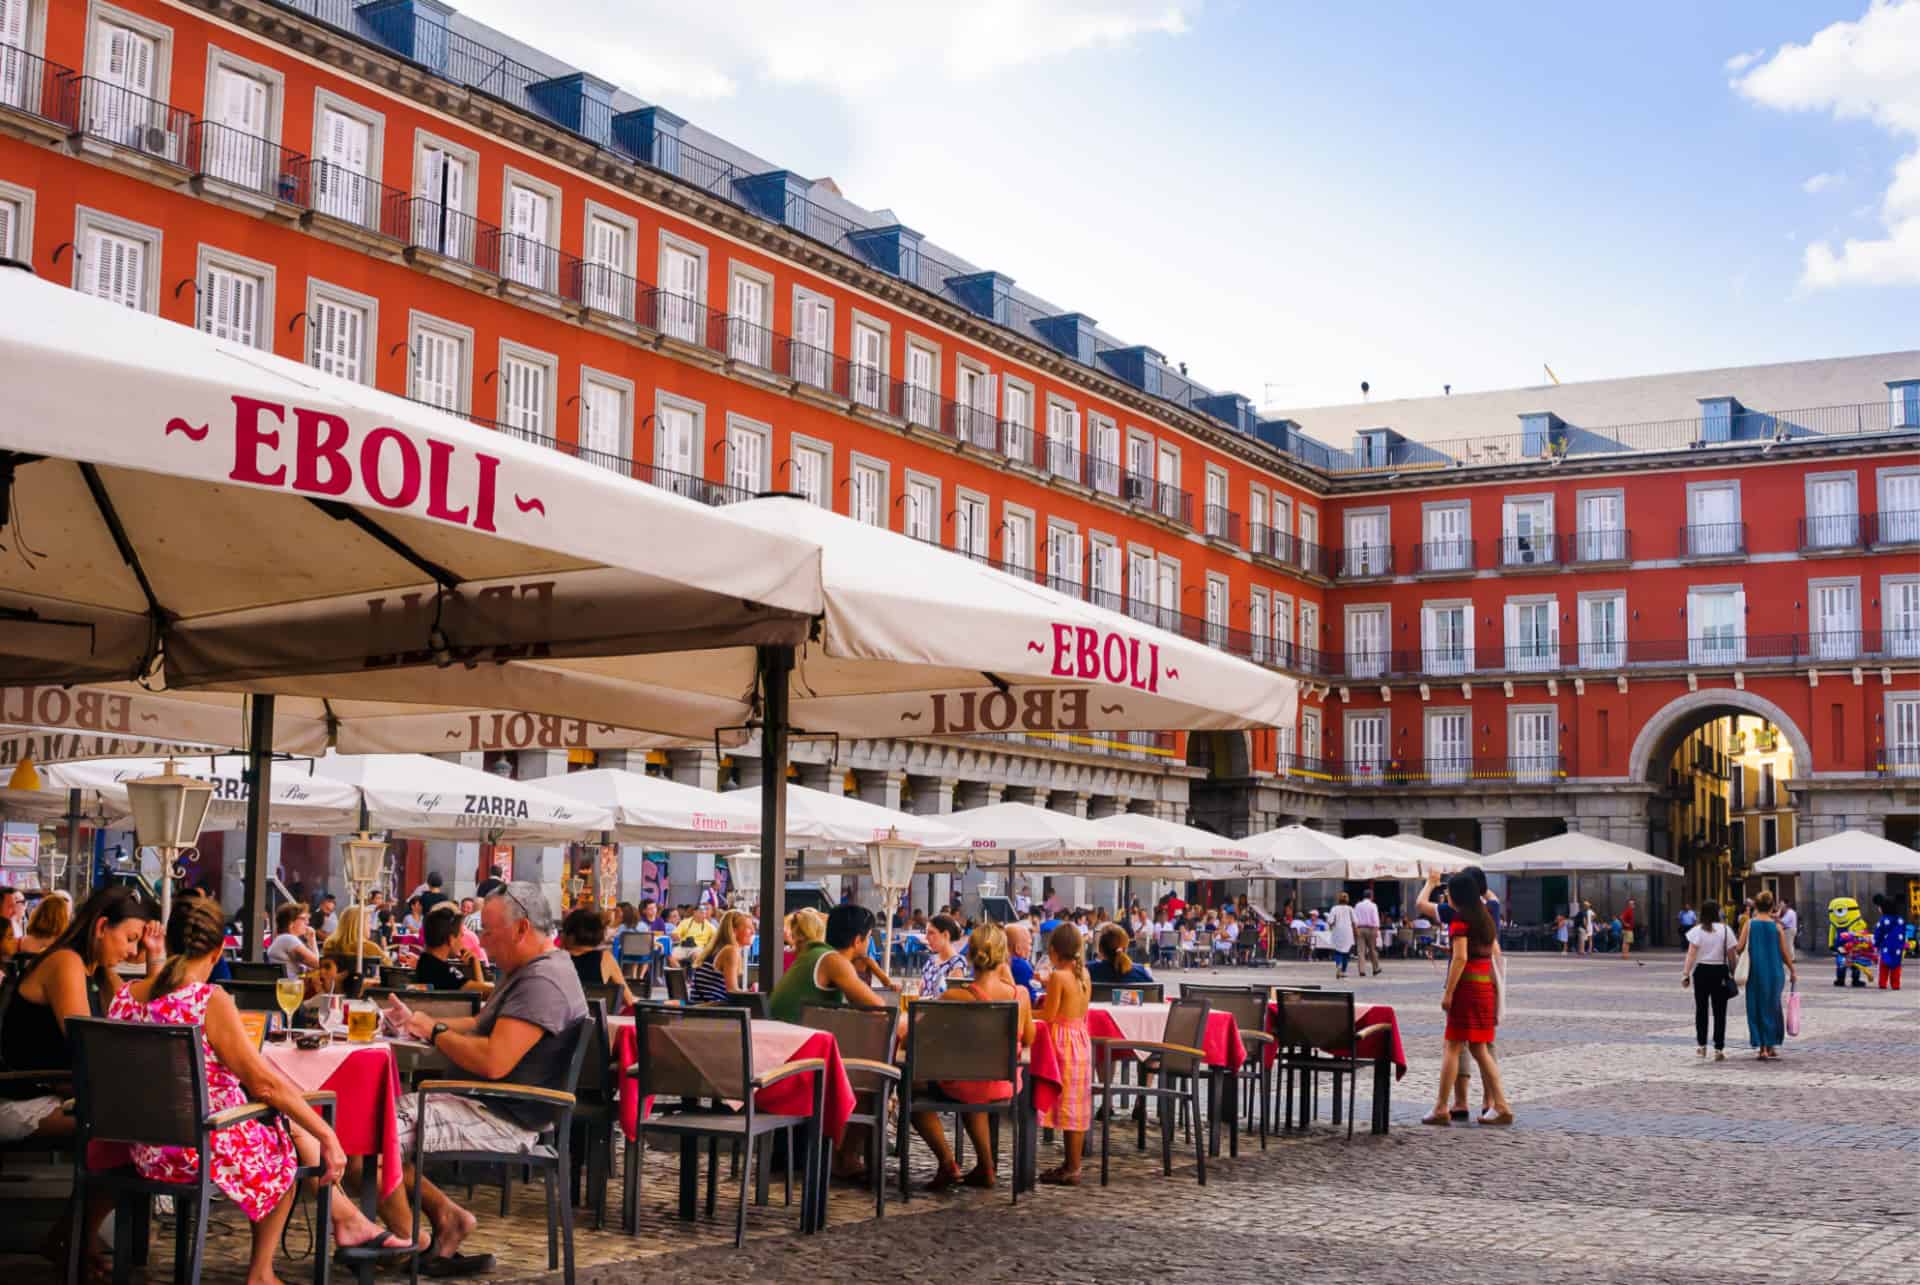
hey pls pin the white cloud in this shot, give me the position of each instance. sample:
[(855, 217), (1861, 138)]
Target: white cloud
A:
[(853, 48), (1740, 62), (1821, 182), (1863, 70)]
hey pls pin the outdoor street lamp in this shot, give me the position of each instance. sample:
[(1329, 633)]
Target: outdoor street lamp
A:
[(890, 861), (168, 811), (366, 861), (743, 870)]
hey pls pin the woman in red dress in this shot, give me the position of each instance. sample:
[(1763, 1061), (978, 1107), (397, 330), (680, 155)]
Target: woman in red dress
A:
[(1470, 1002)]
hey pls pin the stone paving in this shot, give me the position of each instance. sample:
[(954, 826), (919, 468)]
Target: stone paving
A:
[(1633, 1160)]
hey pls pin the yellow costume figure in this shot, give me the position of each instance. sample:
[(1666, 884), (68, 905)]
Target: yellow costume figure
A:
[(1850, 938)]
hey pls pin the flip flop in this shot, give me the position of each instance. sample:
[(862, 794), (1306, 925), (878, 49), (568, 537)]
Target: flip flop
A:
[(1498, 1120), (457, 1264), (1458, 1113), (1437, 1121)]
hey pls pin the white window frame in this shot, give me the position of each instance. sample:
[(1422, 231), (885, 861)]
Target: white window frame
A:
[(22, 201), (671, 242), (977, 540), (1590, 653), (214, 257), (99, 11), (1442, 770), (623, 448), (1590, 544), (1217, 480), (883, 510), (1907, 521), (1116, 557), (812, 363), (1458, 559), (1524, 770), (1103, 474), (417, 322), (1259, 622), (1259, 501), (693, 482), (1698, 650), (1168, 602), (1822, 645), (1902, 758), (922, 403), (1368, 665), (1310, 736), (1167, 488), (1355, 717), (275, 82), (34, 37), (1218, 589), (1141, 603), (1073, 585), (738, 424), (1025, 561), (548, 267), (1901, 641), (752, 342), (1019, 436), (468, 157), (1073, 439), (1531, 661), (798, 442), (1366, 559), (1823, 530), (326, 100), (624, 295), (1446, 666), (546, 361), (869, 390), (1540, 550), (1284, 640), (87, 221), (1694, 491), (369, 308), (914, 477), (1139, 488)]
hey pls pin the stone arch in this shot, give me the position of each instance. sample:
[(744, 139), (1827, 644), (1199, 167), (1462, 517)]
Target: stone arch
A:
[(1661, 735)]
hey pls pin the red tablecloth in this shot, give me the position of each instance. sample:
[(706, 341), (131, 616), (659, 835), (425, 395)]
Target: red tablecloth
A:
[(1222, 1044), (365, 1081), (1043, 1064), (789, 1097), (1387, 1041)]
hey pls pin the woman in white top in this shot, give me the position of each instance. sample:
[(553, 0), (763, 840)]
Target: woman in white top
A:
[(1711, 951), (1340, 927)]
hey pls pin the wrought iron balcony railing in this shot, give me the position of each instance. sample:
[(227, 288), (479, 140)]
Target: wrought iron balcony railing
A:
[(1437, 557), (1520, 551), (1714, 540), (104, 112), (246, 162), (1591, 546), (335, 192)]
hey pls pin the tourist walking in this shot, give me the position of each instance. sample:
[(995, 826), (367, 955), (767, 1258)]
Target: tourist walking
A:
[(1711, 948), (1340, 928), (1471, 1002), (1366, 927), (1626, 934), (1889, 940), (1769, 969), (1585, 920)]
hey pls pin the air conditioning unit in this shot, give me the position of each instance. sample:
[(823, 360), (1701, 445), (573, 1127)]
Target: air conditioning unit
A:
[(155, 141)]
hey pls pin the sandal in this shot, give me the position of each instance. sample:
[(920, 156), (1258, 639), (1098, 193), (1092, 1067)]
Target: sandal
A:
[(978, 1177), (1060, 1178), (1498, 1119), (457, 1265), (1437, 1120), (947, 1177)]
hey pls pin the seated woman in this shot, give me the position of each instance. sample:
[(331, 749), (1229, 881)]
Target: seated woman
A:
[(825, 972), (583, 935), (987, 946), (721, 968), (352, 945), (49, 920), (804, 927), (252, 1163), (444, 964), (292, 944), (1114, 966), (74, 977)]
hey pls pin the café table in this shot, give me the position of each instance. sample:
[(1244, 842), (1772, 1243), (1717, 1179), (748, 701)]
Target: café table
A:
[(774, 1044), (1221, 1044), (1379, 1029)]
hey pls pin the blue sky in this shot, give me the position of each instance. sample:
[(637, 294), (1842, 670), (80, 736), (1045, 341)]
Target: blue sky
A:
[(1294, 198)]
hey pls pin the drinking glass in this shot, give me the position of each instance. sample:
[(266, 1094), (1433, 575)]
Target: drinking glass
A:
[(289, 991), (363, 1021)]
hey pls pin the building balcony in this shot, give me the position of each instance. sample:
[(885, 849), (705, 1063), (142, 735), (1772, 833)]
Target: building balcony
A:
[(1714, 541), (1443, 557), (604, 290), (1377, 772), (32, 86), (1832, 533), (1291, 551), (1061, 460), (1898, 761), (335, 192), (245, 163), (438, 229), (1593, 548), (101, 112), (1900, 527), (1222, 523), (524, 262), (1538, 552), (1366, 562)]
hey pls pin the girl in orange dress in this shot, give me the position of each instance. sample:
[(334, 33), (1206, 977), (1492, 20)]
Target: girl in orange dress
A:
[(1065, 1012)]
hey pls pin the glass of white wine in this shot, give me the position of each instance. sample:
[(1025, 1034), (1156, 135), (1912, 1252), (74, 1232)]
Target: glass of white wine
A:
[(289, 991)]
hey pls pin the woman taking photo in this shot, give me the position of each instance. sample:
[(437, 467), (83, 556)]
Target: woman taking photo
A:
[(1470, 1003), (1711, 948), (1769, 966)]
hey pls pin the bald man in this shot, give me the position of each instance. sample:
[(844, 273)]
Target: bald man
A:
[(1020, 959)]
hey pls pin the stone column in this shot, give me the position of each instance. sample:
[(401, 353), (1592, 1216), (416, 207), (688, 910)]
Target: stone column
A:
[(934, 797), (1493, 835), (699, 768), (621, 760)]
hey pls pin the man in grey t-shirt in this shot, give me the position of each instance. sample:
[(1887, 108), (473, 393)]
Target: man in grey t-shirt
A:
[(522, 1036)]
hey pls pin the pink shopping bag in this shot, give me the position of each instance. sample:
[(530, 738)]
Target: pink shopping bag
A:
[(1793, 1011)]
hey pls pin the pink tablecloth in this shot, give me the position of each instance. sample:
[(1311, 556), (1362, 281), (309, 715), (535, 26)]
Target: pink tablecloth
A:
[(366, 1083), (1043, 1064), (1148, 1023), (1387, 1041), (774, 1044)]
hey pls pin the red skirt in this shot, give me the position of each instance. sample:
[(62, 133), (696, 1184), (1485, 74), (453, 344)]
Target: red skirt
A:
[(1475, 1008)]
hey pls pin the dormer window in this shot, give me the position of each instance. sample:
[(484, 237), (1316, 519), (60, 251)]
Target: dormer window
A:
[(1716, 419), (1904, 396)]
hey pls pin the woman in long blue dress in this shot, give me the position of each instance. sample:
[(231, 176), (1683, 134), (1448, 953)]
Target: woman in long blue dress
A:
[(1769, 966)]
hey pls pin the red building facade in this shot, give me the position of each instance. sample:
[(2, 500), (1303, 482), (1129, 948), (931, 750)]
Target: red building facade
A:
[(1517, 627)]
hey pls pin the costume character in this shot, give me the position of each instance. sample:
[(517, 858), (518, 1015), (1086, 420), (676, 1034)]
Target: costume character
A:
[(1890, 943), (1850, 940)]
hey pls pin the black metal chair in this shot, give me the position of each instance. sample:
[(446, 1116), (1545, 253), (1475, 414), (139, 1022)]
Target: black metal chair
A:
[(394, 978), (241, 970), (1254, 1078), (254, 997), (676, 984), (865, 1037), (705, 1055), (1177, 1064), (553, 1155), (953, 1042), (1149, 992), (1315, 1033), (609, 994), (755, 1002), (636, 959), (1200, 953), (441, 1004), (596, 1107), (146, 1085)]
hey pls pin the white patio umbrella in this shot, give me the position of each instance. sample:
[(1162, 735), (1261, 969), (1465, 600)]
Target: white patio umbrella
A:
[(1575, 852), (300, 801), (1453, 853), (1028, 829), (817, 818), (1171, 840), (429, 798), (1849, 852), (655, 810), (1299, 852), (1402, 858)]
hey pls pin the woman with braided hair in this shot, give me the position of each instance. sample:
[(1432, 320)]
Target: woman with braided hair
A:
[(253, 1163)]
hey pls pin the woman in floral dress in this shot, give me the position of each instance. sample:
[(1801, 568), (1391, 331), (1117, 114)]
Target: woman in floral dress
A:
[(253, 1162)]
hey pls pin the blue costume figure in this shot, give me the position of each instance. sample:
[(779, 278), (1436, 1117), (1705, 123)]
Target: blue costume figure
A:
[(1850, 940), (1890, 941)]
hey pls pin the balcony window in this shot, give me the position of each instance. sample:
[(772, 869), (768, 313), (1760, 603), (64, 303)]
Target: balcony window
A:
[(973, 396), (1533, 634), (923, 511), (1533, 745), (813, 339), (1833, 517), (1366, 642), (1447, 546), (1367, 552), (1904, 398), (1216, 612), (1449, 746), (1366, 747), (235, 137), (869, 486), (442, 196), (340, 338), (606, 421), (1019, 416), (236, 300), (341, 174), (1900, 617), (1835, 619), (1105, 463), (922, 385), (1899, 507), (1446, 639), (1714, 529), (1716, 622), (1063, 440), (682, 290), (1527, 532), (1603, 631), (812, 474), (1169, 484), (1601, 534), (749, 339), (1140, 585), (1064, 560), (1104, 568), (442, 355), (971, 534), (1903, 736)]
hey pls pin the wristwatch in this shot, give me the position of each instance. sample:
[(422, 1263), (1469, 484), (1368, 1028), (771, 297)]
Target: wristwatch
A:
[(433, 1036)]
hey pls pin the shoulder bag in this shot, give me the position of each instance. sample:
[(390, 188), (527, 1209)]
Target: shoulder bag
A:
[(1740, 968), (1730, 986)]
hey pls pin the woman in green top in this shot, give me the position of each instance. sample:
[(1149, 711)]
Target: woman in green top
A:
[(826, 972)]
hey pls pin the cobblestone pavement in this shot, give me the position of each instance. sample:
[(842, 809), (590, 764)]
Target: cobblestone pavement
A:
[(1633, 1160)]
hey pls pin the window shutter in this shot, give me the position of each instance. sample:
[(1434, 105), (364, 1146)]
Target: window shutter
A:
[(1073, 429), (1547, 517), (1740, 623), (8, 223), (1512, 631), (1693, 616), (1508, 526), (1429, 631)]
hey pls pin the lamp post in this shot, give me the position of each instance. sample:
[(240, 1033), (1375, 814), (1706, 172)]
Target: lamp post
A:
[(168, 811), (743, 869), (890, 860), (365, 859)]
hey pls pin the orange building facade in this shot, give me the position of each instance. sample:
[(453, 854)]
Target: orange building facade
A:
[(1498, 635)]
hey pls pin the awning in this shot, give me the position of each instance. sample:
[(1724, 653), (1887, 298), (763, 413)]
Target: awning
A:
[(655, 810), (1849, 852), (1574, 852)]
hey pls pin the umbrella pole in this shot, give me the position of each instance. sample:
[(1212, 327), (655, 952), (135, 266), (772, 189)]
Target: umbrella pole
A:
[(776, 667), (253, 907), (78, 873)]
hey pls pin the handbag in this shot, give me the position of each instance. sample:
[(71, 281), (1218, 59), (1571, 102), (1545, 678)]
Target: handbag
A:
[(1741, 968), (1793, 1009), (1729, 983)]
